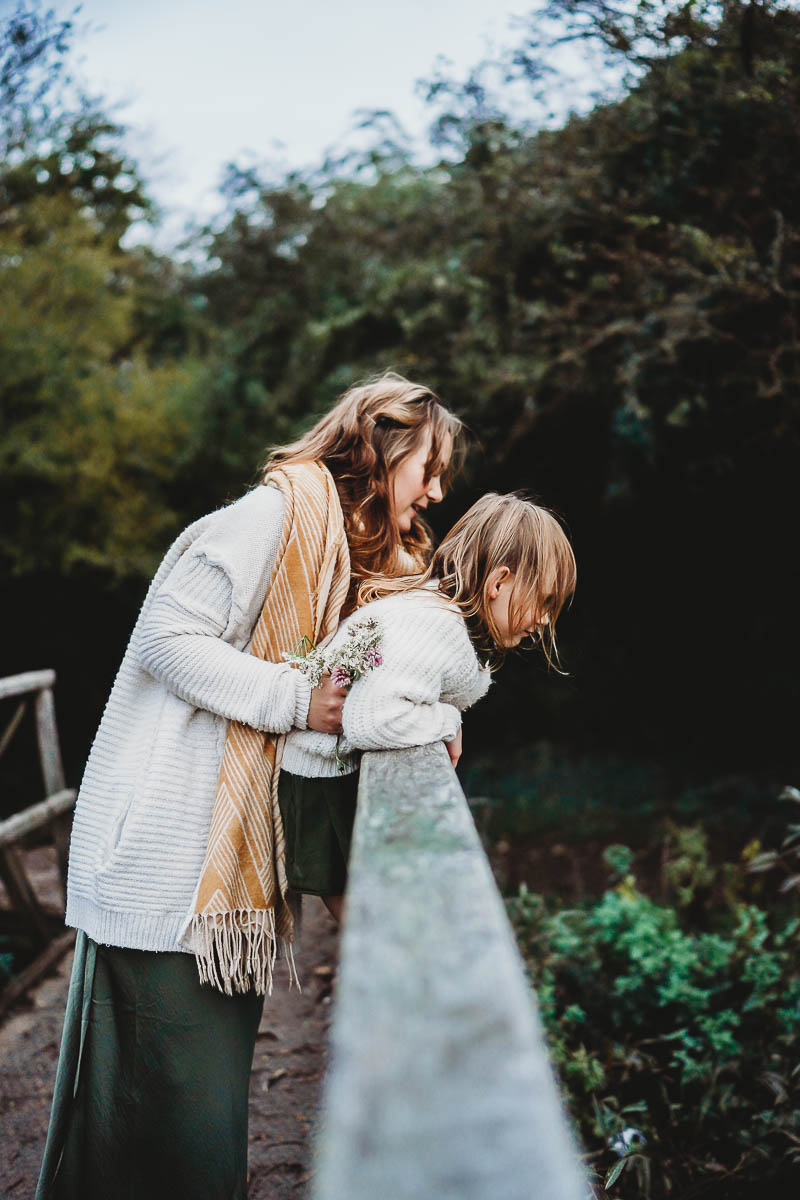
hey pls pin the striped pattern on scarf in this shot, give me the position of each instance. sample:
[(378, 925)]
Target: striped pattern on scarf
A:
[(241, 912)]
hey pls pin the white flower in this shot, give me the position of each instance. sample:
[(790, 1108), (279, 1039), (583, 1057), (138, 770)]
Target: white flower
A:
[(353, 657), (629, 1139)]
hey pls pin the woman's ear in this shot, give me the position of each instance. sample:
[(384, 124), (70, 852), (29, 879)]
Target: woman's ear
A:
[(496, 580)]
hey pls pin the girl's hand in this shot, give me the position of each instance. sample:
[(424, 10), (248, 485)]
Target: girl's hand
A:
[(454, 749), (325, 709)]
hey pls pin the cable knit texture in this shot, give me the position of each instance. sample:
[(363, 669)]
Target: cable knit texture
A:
[(429, 675), (145, 803)]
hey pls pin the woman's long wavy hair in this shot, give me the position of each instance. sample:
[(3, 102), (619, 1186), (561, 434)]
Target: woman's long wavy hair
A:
[(498, 531), (373, 426)]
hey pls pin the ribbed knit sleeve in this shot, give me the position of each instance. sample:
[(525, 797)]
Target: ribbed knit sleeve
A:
[(181, 643), (399, 703)]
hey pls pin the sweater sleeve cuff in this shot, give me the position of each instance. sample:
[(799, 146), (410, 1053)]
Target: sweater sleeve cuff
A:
[(302, 700), (452, 722)]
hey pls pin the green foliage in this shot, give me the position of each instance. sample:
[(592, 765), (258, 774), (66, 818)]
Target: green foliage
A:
[(33, 47), (618, 859), (92, 438), (608, 268), (99, 376), (677, 1047), (611, 305), (788, 857), (687, 868), (639, 36)]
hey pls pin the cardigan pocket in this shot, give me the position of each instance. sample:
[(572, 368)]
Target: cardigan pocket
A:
[(122, 797)]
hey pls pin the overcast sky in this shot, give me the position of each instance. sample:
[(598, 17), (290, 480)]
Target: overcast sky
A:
[(206, 82)]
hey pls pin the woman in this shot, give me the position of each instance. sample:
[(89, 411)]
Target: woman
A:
[(177, 842)]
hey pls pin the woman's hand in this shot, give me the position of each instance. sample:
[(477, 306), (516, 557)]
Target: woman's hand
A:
[(325, 709), (454, 749)]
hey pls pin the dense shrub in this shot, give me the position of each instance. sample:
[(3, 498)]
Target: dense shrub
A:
[(676, 1041)]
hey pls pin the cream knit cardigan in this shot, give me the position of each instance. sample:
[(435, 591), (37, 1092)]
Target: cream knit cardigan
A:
[(145, 803)]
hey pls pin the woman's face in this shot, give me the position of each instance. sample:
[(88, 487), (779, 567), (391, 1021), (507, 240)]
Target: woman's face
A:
[(410, 492)]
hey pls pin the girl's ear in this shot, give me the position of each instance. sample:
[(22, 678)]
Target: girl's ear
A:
[(497, 577)]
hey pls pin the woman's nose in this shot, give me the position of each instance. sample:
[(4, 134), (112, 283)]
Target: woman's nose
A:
[(434, 492)]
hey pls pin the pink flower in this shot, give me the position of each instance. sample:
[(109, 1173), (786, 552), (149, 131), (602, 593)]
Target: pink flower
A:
[(374, 658), (340, 678)]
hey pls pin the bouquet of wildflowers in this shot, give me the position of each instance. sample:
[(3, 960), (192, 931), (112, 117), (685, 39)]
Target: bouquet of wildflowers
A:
[(345, 663)]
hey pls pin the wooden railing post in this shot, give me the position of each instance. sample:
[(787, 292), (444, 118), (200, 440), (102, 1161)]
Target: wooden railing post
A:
[(53, 812), (53, 775)]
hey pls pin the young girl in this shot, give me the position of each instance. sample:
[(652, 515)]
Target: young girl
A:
[(502, 573)]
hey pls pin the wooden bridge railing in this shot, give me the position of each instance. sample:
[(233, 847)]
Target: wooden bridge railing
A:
[(53, 813), (439, 1085)]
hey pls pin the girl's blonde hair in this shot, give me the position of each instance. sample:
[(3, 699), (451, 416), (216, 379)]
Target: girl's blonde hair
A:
[(373, 426), (498, 531)]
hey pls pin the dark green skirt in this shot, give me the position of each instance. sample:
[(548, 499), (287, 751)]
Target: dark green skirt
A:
[(151, 1091), (318, 816)]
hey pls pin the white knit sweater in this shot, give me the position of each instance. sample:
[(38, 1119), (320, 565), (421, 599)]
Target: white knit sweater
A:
[(429, 675), (145, 803)]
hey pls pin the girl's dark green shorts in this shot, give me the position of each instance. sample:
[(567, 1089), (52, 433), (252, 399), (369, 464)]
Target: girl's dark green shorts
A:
[(318, 816)]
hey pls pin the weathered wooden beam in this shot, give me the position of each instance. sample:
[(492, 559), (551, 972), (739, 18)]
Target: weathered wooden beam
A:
[(51, 811), (30, 681), (47, 737), (12, 727), (36, 816), (53, 774), (62, 831), (439, 1085), (44, 962)]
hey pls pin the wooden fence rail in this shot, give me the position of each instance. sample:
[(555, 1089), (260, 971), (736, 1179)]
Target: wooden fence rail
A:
[(52, 813), (30, 681), (439, 1085)]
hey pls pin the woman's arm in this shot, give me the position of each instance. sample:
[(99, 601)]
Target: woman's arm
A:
[(180, 643)]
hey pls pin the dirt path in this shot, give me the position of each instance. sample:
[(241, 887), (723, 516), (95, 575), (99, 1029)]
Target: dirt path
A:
[(285, 1086), (289, 1064)]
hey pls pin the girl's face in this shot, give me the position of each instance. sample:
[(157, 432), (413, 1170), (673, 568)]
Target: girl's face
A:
[(501, 586), (410, 491)]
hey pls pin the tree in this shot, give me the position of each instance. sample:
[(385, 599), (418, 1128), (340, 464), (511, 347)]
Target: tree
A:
[(613, 307), (96, 384)]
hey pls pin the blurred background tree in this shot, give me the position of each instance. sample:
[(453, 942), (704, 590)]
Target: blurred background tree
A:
[(610, 304)]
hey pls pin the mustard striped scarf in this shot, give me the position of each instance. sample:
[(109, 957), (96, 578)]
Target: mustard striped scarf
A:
[(241, 911)]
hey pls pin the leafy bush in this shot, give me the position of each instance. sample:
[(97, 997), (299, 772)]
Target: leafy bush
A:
[(677, 1048), (788, 857)]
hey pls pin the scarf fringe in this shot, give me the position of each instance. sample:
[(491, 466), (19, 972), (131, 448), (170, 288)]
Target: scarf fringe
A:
[(236, 951)]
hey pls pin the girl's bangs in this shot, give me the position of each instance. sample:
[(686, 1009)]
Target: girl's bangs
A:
[(549, 561)]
